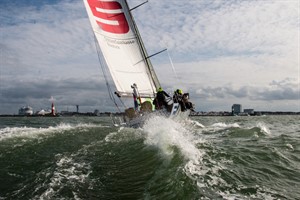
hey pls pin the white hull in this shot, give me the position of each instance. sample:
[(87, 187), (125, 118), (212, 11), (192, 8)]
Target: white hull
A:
[(175, 114)]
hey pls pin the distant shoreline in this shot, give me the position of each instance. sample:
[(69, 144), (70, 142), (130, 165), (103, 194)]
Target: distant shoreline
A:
[(204, 114), (256, 113)]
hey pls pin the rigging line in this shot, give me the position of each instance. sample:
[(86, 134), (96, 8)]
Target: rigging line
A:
[(138, 6), (156, 53), (146, 58), (104, 74), (173, 68), (129, 10), (118, 95)]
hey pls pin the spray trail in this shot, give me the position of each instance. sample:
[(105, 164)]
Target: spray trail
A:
[(165, 133)]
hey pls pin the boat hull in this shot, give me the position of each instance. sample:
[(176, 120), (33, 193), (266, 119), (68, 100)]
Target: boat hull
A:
[(140, 119)]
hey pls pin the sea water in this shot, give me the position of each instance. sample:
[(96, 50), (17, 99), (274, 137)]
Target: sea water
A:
[(199, 158)]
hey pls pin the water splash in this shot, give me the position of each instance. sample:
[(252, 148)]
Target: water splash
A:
[(206, 171), (165, 133), (264, 128)]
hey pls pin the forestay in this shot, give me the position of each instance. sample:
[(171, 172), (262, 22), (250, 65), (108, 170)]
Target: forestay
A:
[(121, 46)]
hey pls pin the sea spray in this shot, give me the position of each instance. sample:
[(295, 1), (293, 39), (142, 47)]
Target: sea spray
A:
[(164, 133), (264, 128)]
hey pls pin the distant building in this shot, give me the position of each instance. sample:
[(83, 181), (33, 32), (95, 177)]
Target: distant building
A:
[(249, 111), (26, 110), (236, 109)]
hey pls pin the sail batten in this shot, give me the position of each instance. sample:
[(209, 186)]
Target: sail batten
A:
[(121, 46)]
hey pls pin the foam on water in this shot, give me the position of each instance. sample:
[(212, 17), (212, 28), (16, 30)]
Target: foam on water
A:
[(123, 134), (195, 123), (30, 132), (200, 167), (223, 125), (165, 133), (221, 160), (290, 147), (263, 127), (69, 171), (220, 126)]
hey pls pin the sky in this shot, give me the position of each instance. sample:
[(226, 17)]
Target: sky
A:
[(222, 52)]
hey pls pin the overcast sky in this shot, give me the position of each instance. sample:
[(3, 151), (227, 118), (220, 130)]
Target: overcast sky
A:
[(223, 52)]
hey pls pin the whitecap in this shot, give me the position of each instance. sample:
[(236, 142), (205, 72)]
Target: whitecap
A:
[(263, 128), (68, 170), (289, 146), (164, 133), (30, 132), (224, 125)]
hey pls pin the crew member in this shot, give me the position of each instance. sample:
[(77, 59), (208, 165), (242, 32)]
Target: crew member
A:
[(160, 99), (183, 100), (178, 98)]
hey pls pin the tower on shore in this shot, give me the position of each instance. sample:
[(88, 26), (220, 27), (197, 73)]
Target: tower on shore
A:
[(52, 109)]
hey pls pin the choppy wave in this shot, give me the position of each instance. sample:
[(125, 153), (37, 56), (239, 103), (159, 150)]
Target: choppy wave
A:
[(199, 152), (199, 158), (67, 173), (163, 133)]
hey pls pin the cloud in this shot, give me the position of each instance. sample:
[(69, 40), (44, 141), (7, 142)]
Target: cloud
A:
[(276, 91), (198, 29), (287, 89), (278, 95), (48, 38), (224, 52)]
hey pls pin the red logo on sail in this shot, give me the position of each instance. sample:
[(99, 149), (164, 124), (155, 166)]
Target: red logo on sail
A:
[(109, 16)]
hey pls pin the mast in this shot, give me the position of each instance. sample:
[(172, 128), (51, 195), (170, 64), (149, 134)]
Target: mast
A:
[(144, 51)]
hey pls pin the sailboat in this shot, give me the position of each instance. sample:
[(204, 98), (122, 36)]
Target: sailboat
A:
[(126, 58)]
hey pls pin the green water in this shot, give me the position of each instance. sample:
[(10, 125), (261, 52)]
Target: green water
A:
[(202, 158)]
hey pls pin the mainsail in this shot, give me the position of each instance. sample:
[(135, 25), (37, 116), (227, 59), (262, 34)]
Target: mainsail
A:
[(122, 47)]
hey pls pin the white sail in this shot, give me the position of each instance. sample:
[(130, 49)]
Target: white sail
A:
[(121, 46)]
